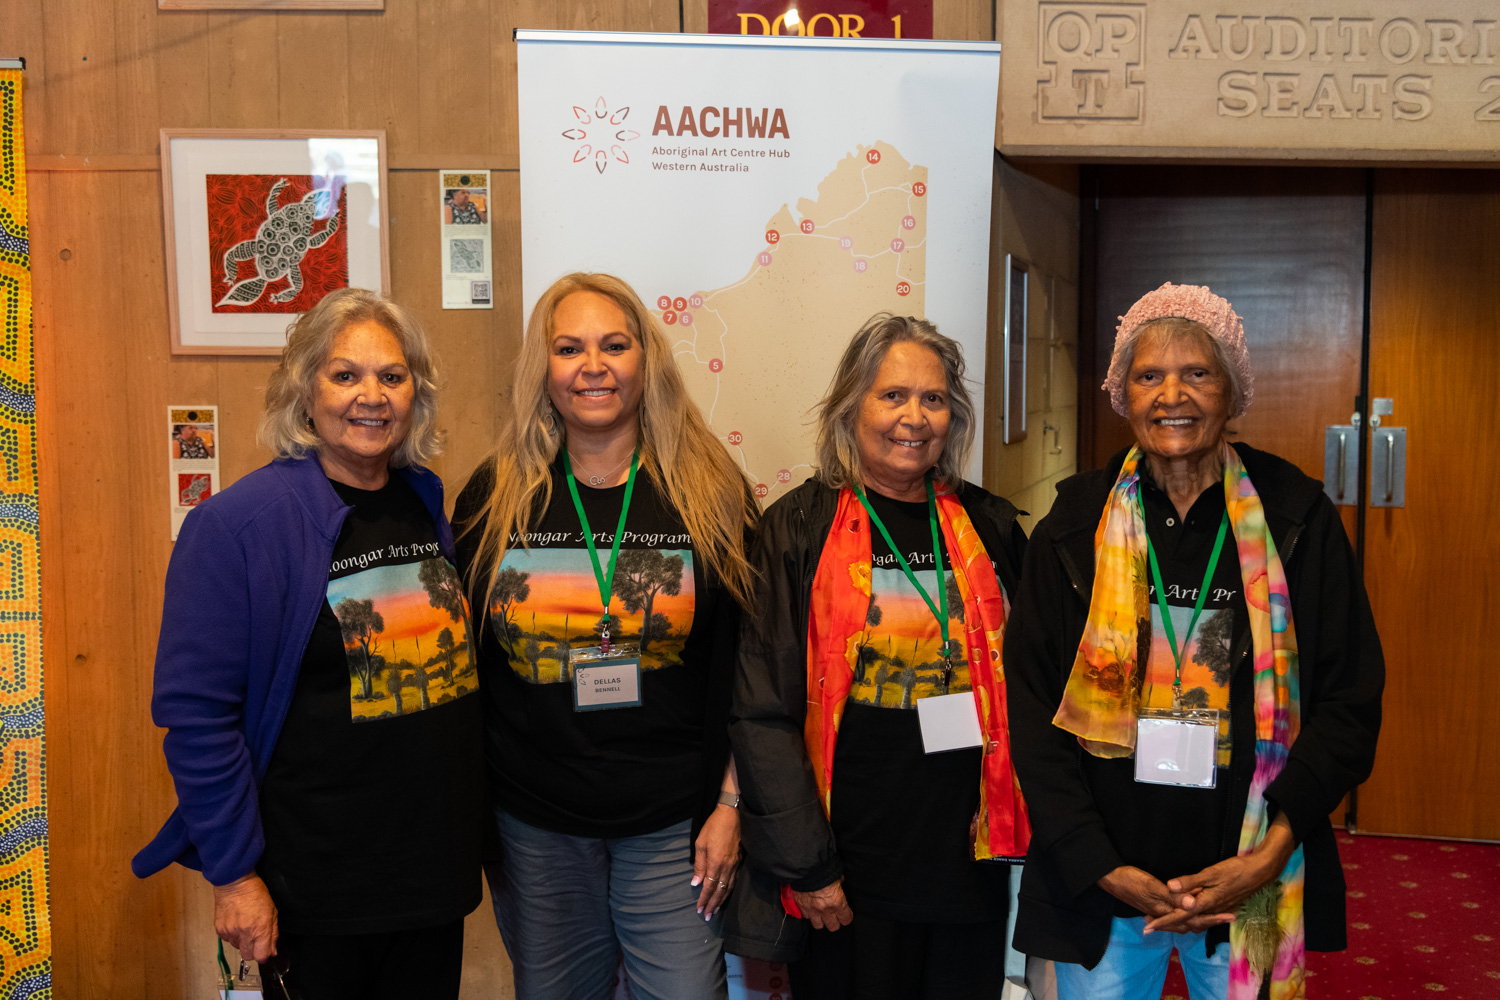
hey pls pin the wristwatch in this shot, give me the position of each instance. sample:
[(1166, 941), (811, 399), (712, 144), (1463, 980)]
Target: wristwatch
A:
[(730, 799)]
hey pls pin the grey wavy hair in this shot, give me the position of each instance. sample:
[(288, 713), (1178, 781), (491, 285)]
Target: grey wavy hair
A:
[(1173, 328), (286, 426), (837, 414)]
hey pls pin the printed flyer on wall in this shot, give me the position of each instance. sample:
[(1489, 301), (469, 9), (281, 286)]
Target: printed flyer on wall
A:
[(192, 459)]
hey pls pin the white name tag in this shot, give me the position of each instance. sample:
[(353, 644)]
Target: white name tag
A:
[(949, 722), (610, 680), (1177, 748)]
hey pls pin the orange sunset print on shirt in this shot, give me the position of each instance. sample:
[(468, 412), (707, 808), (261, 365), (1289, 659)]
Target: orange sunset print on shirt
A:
[(899, 662), (406, 638), (545, 603)]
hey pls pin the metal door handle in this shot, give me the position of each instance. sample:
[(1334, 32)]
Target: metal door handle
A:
[(1343, 442), (1390, 466)]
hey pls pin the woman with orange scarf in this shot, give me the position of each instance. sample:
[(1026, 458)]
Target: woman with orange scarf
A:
[(1196, 679), (868, 722)]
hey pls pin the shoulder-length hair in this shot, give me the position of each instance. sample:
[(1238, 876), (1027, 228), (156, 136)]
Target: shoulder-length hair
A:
[(286, 427), (837, 413), (687, 464)]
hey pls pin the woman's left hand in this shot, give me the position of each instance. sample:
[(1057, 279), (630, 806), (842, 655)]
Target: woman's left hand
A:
[(716, 858), (1212, 896)]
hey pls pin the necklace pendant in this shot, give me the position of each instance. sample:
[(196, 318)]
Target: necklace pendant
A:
[(596, 480)]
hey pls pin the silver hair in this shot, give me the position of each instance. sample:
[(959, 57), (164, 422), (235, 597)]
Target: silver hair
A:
[(1175, 327), (286, 426), (837, 413)]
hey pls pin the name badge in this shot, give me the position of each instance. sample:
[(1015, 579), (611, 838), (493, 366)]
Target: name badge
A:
[(1177, 747), (606, 680), (949, 722)]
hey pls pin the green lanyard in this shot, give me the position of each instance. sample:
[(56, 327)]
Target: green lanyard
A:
[(1161, 596), (940, 609), (606, 579)]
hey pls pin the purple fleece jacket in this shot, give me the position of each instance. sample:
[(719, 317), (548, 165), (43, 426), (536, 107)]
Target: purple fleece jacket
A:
[(247, 580)]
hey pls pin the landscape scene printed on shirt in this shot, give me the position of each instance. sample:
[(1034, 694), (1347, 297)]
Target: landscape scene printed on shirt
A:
[(1205, 665), (406, 638), (899, 662), (546, 603)]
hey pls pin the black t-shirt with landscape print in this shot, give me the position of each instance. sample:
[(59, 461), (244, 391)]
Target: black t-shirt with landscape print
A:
[(373, 800), (901, 816), (614, 772)]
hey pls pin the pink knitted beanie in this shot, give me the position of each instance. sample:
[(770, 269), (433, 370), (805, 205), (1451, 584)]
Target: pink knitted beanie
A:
[(1190, 302)]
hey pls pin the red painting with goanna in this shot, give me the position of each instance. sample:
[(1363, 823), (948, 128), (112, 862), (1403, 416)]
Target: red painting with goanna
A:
[(277, 243)]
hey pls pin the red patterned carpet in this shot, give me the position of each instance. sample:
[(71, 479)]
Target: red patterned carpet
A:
[(1424, 918)]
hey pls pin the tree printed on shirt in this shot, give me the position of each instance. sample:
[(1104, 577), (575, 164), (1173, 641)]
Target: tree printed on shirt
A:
[(1213, 644), (394, 682), (955, 599), (1196, 698), (446, 648), (509, 590), (641, 574), (360, 622), (445, 593)]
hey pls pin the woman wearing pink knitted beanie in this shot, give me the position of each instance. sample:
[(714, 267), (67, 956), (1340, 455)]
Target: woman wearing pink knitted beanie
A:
[(1194, 683)]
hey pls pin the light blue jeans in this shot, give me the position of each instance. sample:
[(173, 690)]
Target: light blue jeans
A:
[(1134, 966), (571, 909)]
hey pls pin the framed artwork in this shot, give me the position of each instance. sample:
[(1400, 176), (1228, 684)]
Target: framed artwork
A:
[(1014, 352), (260, 225), (270, 4)]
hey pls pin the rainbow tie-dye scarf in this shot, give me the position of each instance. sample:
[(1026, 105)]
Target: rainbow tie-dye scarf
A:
[(840, 603), (1102, 697)]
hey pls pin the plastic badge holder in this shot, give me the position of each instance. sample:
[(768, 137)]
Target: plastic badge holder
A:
[(1177, 747), (606, 680)]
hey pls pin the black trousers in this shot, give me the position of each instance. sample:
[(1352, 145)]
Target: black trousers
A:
[(874, 959), (398, 965)]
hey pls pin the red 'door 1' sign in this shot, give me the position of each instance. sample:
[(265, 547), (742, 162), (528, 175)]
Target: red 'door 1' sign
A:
[(823, 18)]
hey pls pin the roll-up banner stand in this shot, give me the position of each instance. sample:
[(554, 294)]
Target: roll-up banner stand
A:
[(765, 196)]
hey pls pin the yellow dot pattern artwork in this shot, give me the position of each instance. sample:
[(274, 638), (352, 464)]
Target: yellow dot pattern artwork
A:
[(25, 914)]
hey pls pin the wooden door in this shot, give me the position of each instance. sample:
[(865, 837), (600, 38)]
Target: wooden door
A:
[(1430, 566), (1284, 245)]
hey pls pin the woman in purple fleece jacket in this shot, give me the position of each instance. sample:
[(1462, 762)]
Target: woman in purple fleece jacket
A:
[(313, 675)]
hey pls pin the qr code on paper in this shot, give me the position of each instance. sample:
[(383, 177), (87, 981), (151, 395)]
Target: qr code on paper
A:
[(466, 256), (479, 292)]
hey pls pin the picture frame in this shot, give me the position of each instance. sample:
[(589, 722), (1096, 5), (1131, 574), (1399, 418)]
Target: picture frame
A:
[(270, 4), (262, 223), (1013, 353)]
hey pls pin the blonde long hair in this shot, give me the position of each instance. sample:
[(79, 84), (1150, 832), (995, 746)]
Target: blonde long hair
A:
[(687, 464)]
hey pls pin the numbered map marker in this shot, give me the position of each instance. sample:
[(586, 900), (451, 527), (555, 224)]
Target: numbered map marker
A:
[(669, 318), (696, 301), (919, 189), (784, 476), (665, 302), (761, 489), (772, 236), (764, 259), (845, 242), (735, 437), (898, 244), (686, 319), (861, 265), (903, 288), (873, 156), (679, 303), (806, 225), (909, 222), (715, 365)]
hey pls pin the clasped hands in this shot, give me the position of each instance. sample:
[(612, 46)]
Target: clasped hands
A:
[(1192, 904)]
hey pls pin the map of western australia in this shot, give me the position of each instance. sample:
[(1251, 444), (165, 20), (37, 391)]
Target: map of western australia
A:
[(758, 353)]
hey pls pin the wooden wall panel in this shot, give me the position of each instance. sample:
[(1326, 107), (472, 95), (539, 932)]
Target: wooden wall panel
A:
[(439, 77)]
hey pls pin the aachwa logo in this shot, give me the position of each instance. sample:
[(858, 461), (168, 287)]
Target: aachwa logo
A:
[(598, 137)]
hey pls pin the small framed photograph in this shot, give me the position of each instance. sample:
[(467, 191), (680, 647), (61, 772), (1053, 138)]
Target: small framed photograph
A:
[(1013, 416), (260, 225), (270, 4)]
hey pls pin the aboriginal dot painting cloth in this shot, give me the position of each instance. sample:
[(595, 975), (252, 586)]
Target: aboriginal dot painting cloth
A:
[(25, 917)]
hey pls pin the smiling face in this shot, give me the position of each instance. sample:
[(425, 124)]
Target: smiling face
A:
[(903, 421), (594, 367), (1178, 397), (362, 404)]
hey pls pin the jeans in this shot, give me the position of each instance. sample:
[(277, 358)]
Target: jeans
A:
[(572, 909), (1134, 966)]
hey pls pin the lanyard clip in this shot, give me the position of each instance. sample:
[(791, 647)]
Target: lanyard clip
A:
[(604, 633)]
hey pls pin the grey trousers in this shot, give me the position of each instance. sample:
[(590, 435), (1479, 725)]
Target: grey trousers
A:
[(571, 910)]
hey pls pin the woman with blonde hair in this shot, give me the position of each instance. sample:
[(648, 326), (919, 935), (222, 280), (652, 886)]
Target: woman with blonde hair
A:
[(319, 733), (603, 543)]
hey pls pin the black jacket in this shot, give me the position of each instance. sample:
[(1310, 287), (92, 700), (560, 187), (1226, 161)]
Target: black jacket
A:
[(1063, 914), (787, 837)]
